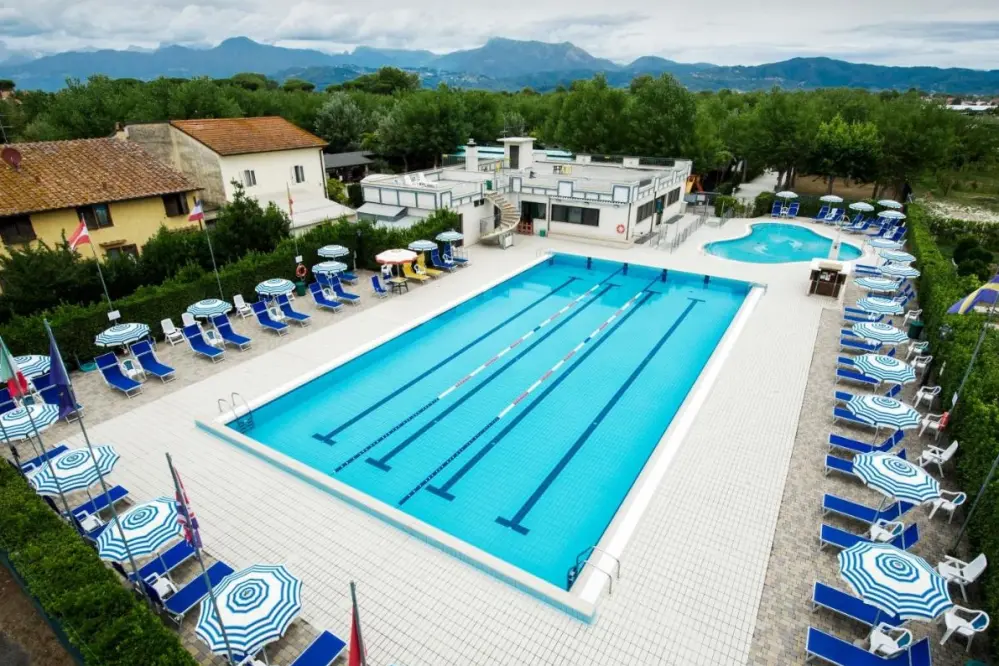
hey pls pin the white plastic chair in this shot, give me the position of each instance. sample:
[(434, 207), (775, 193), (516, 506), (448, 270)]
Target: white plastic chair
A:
[(921, 363), (916, 349), (242, 309), (935, 422), (912, 315), (927, 393), (964, 622), (187, 319), (887, 640), (275, 313), (172, 334), (214, 339), (164, 586), (934, 455), (961, 573), (948, 501), (132, 370), (884, 531)]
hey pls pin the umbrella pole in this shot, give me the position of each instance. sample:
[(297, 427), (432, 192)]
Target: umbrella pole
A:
[(48, 461)]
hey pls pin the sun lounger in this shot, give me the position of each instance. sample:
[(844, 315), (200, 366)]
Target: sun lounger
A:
[(421, 262), (410, 274), (862, 512), (166, 562), (324, 299), (191, 594), (847, 605), (829, 648), (144, 354), (854, 318), (345, 296), (291, 313), (377, 287), (858, 345), (847, 375), (838, 538), (847, 444), (114, 377), (100, 502), (451, 258), (323, 651), (228, 335), (792, 210), (777, 210), (264, 319), (347, 277), (834, 216), (31, 465), (201, 348), (438, 263), (50, 395)]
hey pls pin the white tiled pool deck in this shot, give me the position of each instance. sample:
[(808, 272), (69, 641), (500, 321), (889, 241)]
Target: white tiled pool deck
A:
[(692, 574)]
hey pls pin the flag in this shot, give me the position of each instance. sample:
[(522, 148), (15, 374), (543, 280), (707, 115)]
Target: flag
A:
[(59, 377), (357, 655), (291, 201), (10, 374), (185, 516), (198, 214), (80, 235)]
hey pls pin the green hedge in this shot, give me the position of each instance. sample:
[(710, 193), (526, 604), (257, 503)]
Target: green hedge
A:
[(75, 326), (808, 205), (103, 620)]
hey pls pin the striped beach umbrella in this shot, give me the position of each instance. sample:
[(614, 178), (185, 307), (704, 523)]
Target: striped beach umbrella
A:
[(121, 334), (886, 368), (74, 470), (900, 270), (255, 606), (878, 331), (890, 203), (329, 267), (885, 244), (894, 581), (896, 256), (787, 194), (396, 256), (422, 246), (333, 251), (20, 423), (449, 236), (147, 528), (862, 206), (892, 215), (275, 287), (879, 305), (831, 198), (33, 365), (877, 284), (882, 411), (209, 307), (895, 477)]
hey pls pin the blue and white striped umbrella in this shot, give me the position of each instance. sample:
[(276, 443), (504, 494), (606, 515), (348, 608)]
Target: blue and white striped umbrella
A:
[(333, 251), (121, 334), (896, 256), (885, 244), (878, 331), (74, 470), (900, 270), (422, 246), (449, 236), (831, 198), (147, 528), (275, 287), (881, 411), (890, 203), (256, 606), (787, 194), (33, 365), (895, 477), (20, 423), (886, 368), (879, 305), (891, 215), (329, 267), (209, 307), (877, 284), (862, 206), (894, 581)]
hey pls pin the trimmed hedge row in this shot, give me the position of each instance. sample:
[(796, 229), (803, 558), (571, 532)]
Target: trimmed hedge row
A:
[(75, 326), (103, 620)]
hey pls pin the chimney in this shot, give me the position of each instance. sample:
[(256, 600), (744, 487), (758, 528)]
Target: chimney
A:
[(120, 132), (471, 156)]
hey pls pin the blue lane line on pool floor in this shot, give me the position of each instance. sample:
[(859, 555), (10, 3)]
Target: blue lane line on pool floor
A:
[(444, 489), (328, 437), (515, 522)]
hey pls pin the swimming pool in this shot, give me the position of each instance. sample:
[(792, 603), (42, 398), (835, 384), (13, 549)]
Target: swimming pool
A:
[(776, 243), (518, 420)]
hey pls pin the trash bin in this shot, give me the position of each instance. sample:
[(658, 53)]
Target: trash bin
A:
[(300, 288), (542, 232), (915, 330)]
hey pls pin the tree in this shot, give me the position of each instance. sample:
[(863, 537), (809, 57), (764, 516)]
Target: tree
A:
[(37, 277), (253, 81), (243, 226), (660, 117), (482, 111), (292, 85), (784, 129), (424, 126), (336, 191), (340, 122), (6, 85), (386, 81), (591, 118), (847, 150)]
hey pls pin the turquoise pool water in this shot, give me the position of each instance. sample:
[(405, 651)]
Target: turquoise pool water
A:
[(775, 243), (518, 420)]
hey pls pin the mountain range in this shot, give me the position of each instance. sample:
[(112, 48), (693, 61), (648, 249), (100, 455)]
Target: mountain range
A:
[(499, 64)]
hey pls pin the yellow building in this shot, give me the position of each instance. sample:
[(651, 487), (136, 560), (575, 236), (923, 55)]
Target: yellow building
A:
[(123, 194)]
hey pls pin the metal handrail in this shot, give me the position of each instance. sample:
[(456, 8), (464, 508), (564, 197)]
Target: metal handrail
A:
[(610, 579), (589, 551)]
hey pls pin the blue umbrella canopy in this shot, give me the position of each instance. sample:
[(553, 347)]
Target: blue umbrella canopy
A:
[(881, 411), (121, 334), (879, 284), (894, 581), (147, 528), (879, 331), (884, 243), (329, 267), (886, 368), (896, 256), (74, 470), (333, 251), (209, 307), (20, 423), (275, 287), (879, 305), (895, 477), (422, 246), (33, 365), (449, 236), (900, 270), (256, 606), (983, 296)]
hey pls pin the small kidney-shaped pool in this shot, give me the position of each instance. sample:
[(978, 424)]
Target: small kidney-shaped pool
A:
[(775, 243)]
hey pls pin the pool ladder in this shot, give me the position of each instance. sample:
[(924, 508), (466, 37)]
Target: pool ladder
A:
[(243, 423), (584, 558)]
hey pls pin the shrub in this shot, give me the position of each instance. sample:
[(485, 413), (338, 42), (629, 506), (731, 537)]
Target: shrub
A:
[(103, 620)]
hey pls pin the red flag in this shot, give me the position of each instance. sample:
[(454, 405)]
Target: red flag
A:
[(291, 202), (197, 214), (11, 375), (357, 654), (80, 235), (185, 515)]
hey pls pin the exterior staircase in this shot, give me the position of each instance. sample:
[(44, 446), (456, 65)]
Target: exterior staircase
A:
[(509, 217)]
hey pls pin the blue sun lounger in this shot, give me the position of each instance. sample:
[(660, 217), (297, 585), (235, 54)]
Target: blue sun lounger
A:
[(321, 300), (822, 214), (847, 605), (847, 444), (114, 377), (792, 210), (321, 652), (191, 594), (829, 648), (168, 561), (291, 313), (838, 538), (100, 502), (353, 299), (458, 261), (777, 210), (847, 375), (264, 319), (348, 277), (50, 394), (862, 512), (229, 336), (201, 348), (144, 354), (858, 345), (37, 461), (377, 288), (438, 263)]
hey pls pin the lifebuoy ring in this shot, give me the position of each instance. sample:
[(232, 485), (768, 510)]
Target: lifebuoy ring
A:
[(620, 228), (300, 271)]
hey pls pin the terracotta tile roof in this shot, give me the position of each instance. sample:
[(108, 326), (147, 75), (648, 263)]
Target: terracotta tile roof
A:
[(236, 136), (66, 174)]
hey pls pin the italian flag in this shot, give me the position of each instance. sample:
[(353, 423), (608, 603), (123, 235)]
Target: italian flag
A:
[(10, 374)]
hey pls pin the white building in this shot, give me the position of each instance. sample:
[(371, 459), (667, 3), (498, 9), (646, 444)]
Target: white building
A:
[(611, 201), (270, 157)]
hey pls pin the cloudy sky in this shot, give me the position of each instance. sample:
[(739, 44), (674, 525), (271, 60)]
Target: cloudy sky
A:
[(963, 33)]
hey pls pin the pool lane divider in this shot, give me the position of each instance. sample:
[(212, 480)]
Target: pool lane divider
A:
[(328, 437), (515, 522), (443, 491), (380, 463)]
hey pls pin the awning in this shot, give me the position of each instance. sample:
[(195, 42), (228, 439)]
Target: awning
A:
[(381, 210)]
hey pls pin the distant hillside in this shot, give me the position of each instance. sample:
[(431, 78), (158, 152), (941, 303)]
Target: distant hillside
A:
[(502, 58)]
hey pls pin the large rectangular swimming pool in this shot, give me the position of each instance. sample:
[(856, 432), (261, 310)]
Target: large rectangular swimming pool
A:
[(518, 420)]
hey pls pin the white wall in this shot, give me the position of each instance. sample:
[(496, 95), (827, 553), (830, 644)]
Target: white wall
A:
[(274, 173)]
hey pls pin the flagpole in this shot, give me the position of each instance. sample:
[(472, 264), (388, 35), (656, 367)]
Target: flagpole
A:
[(291, 218), (13, 450), (182, 498), (100, 273), (211, 251), (357, 624)]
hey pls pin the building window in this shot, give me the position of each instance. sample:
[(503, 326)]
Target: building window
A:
[(122, 251), (576, 215), (645, 211), (660, 203), (532, 210), (175, 204), (478, 202), (298, 173), (249, 178), (16, 229), (97, 216), (674, 196)]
